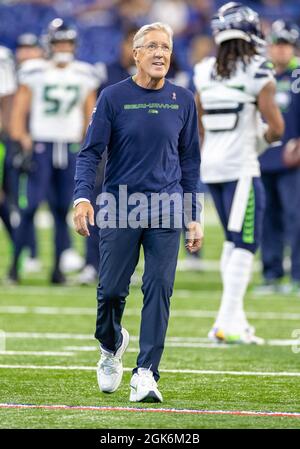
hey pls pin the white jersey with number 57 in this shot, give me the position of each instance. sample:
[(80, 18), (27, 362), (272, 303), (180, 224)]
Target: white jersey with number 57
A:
[(231, 118), (58, 97)]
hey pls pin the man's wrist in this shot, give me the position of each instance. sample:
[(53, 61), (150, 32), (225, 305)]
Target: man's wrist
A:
[(80, 200)]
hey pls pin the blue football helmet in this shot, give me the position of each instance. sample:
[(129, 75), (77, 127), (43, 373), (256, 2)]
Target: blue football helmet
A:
[(28, 40), (284, 32), (59, 31), (236, 21)]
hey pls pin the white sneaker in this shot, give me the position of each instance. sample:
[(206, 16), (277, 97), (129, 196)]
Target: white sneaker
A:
[(143, 387), (87, 276), (70, 261), (110, 368), (32, 265), (250, 338), (216, 335)]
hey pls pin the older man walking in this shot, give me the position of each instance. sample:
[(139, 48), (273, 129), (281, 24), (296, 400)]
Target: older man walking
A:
[(149, 127)]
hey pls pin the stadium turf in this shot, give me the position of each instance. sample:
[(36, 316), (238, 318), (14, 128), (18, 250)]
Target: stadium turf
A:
[(51, 355)]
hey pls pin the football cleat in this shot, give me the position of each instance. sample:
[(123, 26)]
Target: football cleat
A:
[(269, 287), (70, 261), (216, 335), (87, 276), (247, 337), (110, 368), (57, 277), (12, 277), (143, 387), (32, 265)]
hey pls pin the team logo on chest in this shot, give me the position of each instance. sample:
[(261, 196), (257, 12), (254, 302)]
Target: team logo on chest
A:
[(174, 96)]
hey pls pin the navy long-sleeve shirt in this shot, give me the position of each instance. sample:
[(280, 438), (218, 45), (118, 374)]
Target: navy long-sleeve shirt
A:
[(152, 141), (289, 103)]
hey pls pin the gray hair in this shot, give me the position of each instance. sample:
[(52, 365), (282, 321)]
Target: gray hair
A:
[(156, 26)]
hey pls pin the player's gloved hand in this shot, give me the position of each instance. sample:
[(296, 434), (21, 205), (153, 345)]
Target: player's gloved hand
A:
[(22, 160), (83, 215), (194, 237)]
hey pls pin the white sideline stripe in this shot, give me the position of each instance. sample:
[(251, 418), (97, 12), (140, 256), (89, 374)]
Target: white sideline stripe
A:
[(210, 265), (206, 344), (167, 345), (170, 371), (48, 336), (149, 410), (71, 352), (90, 337), (170, 341), (189, 313), (40, 353), (82, 291)]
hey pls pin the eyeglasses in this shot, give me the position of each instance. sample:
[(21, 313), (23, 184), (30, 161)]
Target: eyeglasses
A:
[(152, 48)]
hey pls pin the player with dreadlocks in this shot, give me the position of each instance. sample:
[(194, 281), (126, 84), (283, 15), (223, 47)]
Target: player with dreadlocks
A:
[(234, 89)]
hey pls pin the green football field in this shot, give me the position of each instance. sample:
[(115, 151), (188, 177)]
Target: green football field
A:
[(48, 355)]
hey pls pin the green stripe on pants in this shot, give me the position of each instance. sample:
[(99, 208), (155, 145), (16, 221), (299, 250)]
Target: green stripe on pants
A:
[(23, 202), (249, 221)]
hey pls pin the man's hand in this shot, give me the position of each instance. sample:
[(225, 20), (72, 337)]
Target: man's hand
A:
[(83, 215), (194, 237)]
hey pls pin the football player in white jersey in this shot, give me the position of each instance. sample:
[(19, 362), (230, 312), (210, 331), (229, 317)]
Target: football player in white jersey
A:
[(7, 90), (58, 96), (29, 55), (29, 48), (234, 89)]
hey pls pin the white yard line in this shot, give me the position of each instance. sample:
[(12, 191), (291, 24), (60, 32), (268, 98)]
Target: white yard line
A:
[(39, 353), (178, 342), (186, 313), (170, 371), (83, 291), (167, 345), (48, 336)]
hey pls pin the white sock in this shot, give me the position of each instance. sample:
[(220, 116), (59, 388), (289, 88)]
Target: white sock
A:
[(231, 316), (226, 253)]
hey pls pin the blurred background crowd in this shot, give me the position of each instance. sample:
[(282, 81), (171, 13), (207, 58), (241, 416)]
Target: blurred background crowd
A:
[(104, 31), (102, 23)]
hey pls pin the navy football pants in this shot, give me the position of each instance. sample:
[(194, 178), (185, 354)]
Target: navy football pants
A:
[(281, 224), (120, 249), (250, 236), (5, 190), (46, 182)]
